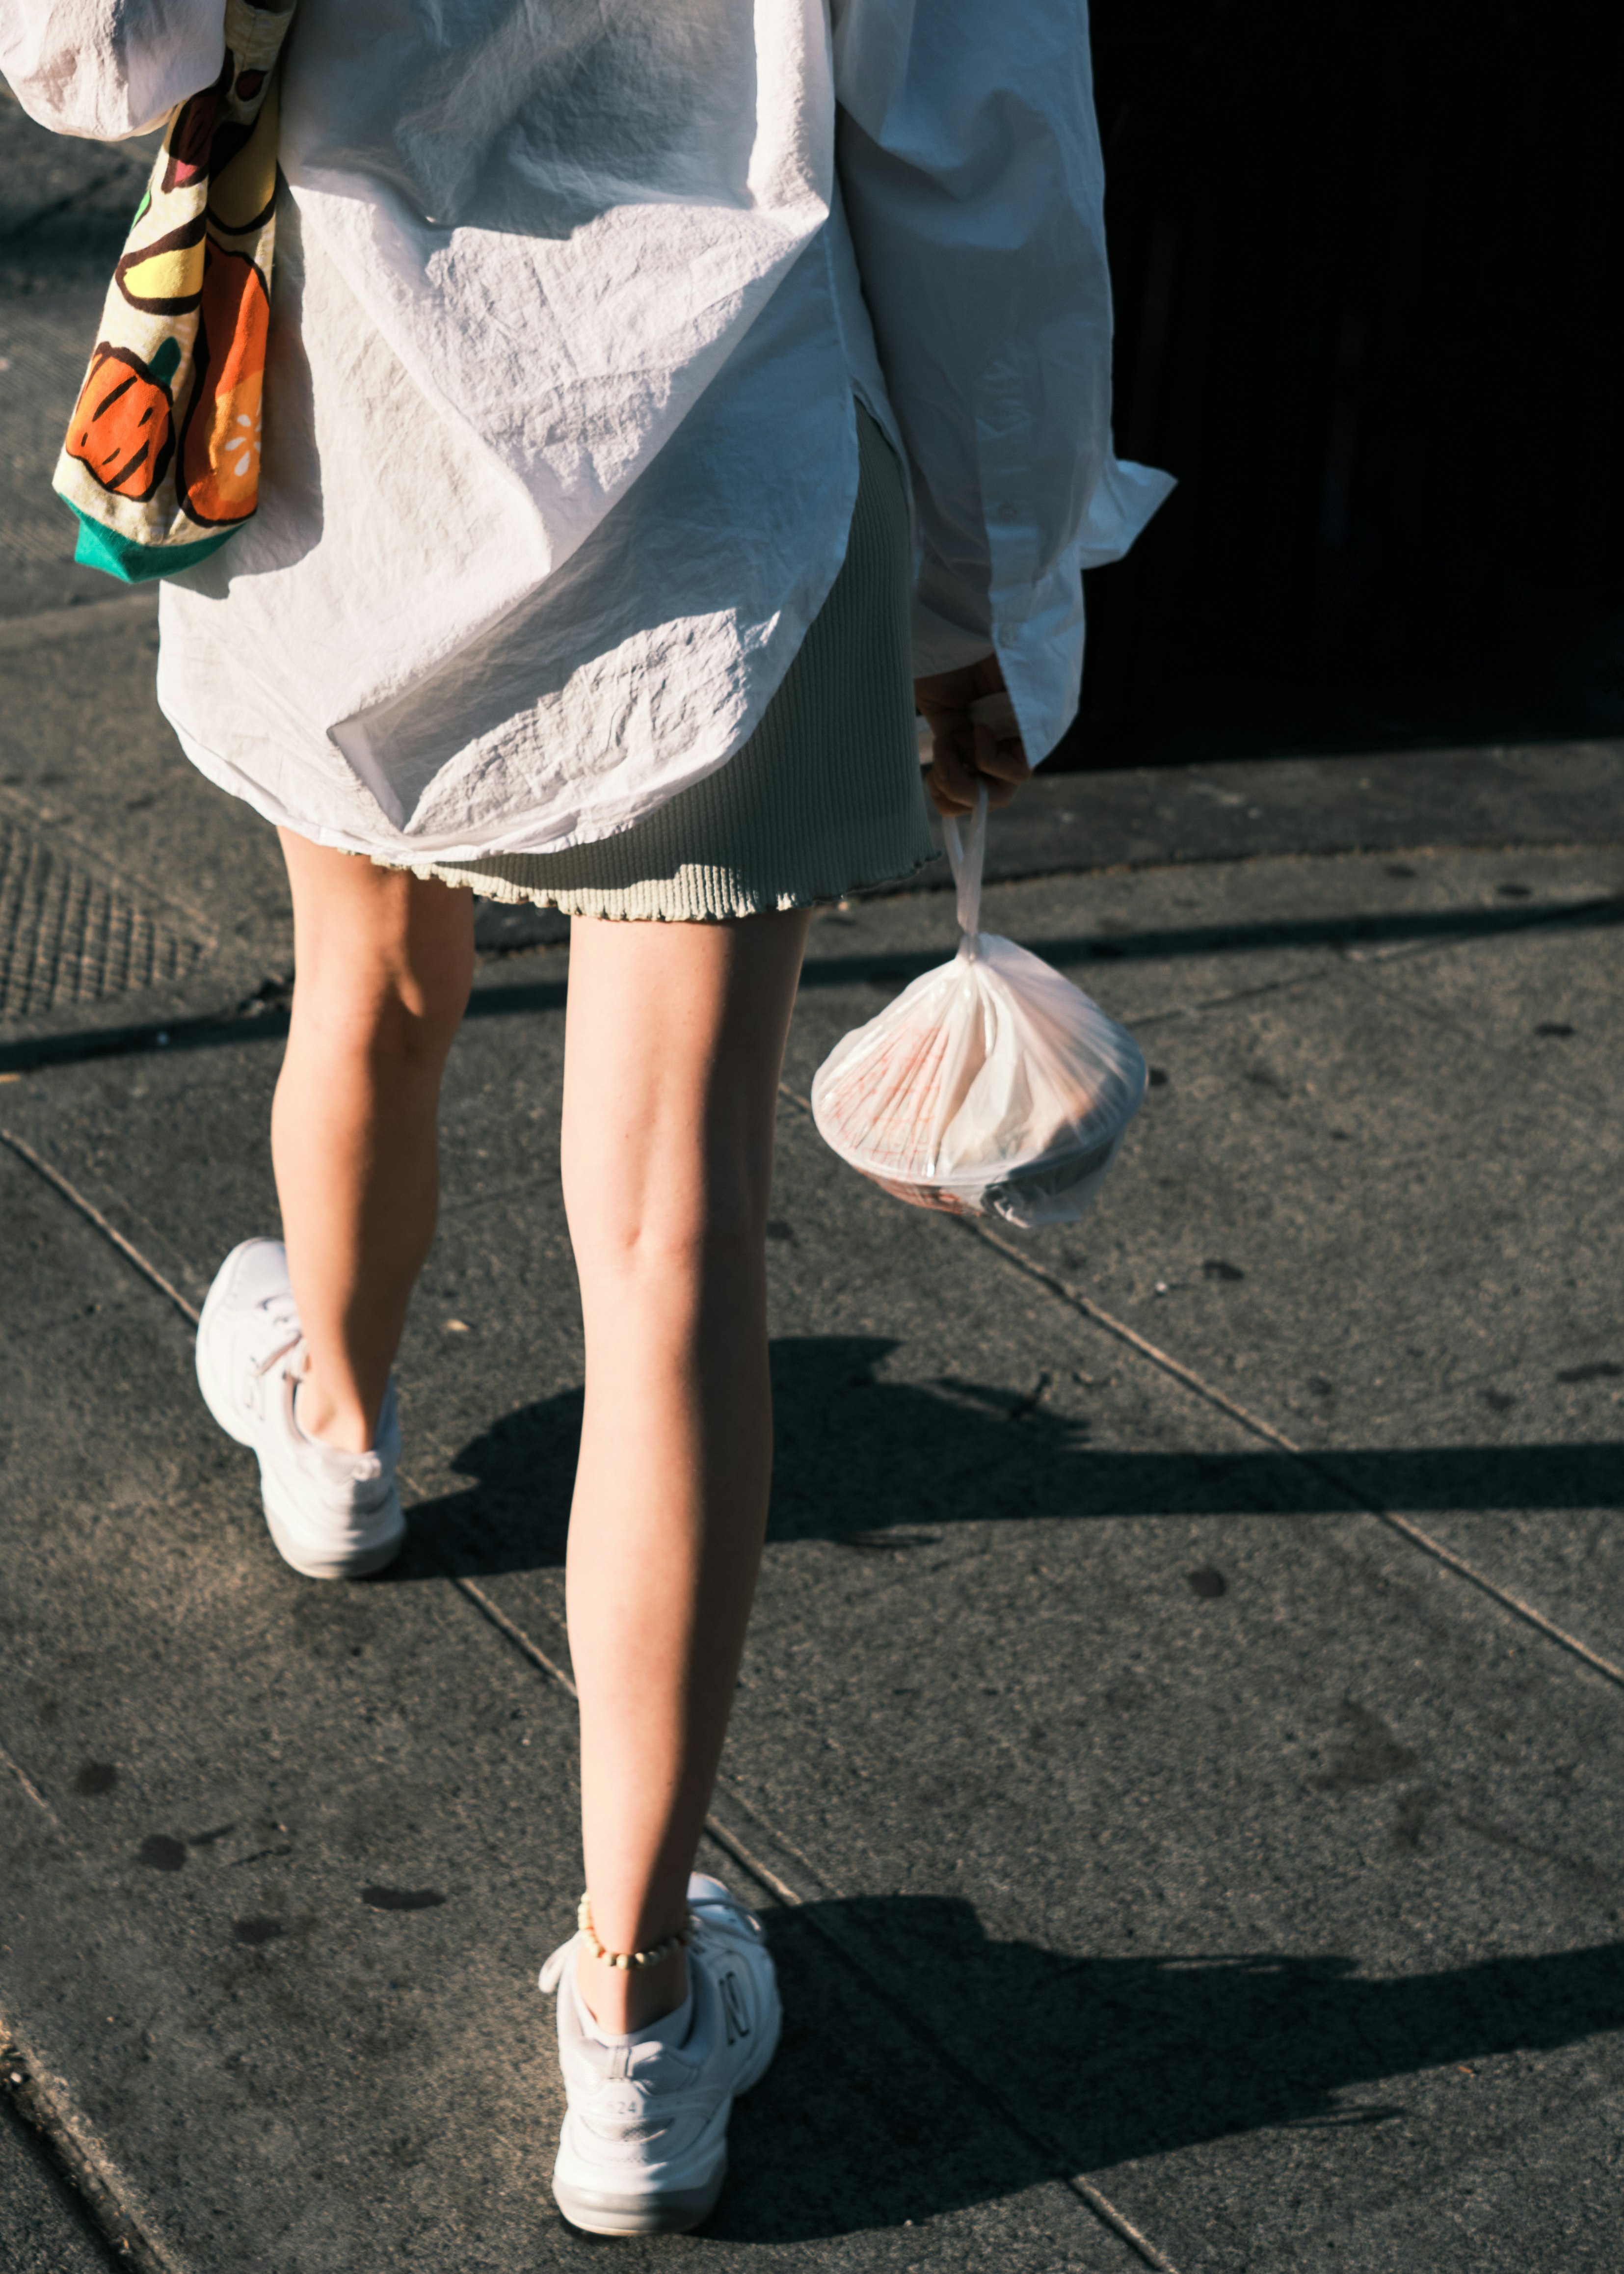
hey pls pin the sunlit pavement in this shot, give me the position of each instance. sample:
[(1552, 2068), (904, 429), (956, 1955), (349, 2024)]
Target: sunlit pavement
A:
[(1178, 1750)]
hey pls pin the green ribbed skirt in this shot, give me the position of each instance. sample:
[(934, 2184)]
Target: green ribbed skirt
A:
[(824, 799)]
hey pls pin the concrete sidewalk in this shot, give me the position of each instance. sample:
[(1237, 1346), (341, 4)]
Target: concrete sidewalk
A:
[(1178, 1754)]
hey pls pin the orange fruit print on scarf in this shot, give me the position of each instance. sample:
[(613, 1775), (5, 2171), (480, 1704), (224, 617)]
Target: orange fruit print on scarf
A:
[(161, 458), (220, 447), (123, 426)]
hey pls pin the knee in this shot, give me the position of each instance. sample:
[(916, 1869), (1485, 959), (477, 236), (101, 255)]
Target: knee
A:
[(671, 1219), (400, 1012), (417, 1015), (384, 959)]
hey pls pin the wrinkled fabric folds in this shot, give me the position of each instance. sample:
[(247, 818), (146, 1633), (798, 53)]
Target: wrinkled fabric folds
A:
[(573, 300)]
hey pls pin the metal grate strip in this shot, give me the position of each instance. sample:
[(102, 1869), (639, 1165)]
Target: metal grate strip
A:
[(67, 937)]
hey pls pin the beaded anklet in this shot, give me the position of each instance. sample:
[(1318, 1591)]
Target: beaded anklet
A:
[(627, 1959)]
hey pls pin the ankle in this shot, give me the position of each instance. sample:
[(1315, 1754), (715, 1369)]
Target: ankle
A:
[(620, 2001), (343, 1425)]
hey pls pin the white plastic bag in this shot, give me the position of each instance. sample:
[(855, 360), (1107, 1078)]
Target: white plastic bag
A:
[(991, 1085)]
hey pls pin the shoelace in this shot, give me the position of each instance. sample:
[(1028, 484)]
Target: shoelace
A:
[(281, 1352), (281, 1313)]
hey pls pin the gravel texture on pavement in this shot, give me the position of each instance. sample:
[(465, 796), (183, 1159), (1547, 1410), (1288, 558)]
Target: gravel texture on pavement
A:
[(1177, 1750)]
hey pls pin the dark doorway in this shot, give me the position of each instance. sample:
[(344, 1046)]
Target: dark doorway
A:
[(1365, 258)]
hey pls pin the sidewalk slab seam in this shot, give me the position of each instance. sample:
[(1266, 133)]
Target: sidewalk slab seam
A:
[(93, 2197), (1198, 1677), (1323, 1464), (79, 2140), (1090, 2198)]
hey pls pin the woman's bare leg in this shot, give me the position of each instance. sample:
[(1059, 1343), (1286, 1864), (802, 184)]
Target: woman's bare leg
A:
[(383, 962), (675, 1042)]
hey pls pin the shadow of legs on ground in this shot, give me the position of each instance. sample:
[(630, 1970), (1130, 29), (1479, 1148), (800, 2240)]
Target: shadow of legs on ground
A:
[(859, 1456)]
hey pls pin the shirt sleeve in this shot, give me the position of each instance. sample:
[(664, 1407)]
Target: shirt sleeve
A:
[(972, 176), (106, 69)]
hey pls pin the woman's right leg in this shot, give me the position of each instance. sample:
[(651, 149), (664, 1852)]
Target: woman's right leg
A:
[(675, 1041)]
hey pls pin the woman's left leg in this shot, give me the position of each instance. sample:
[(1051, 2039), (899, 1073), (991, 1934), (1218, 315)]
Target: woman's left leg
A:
[(383, 962)]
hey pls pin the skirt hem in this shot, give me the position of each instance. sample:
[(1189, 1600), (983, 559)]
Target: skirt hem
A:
[(582, 901)]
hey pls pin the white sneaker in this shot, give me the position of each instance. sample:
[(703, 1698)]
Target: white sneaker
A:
[(644, 2145), (332, 1515)]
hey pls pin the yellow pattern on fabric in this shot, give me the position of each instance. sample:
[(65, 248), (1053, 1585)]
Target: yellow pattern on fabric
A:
[(162, 451)]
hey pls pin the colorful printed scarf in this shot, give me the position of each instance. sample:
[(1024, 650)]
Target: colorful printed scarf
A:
[(161, 460)]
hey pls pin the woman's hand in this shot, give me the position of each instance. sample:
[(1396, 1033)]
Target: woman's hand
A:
[(964, 753)]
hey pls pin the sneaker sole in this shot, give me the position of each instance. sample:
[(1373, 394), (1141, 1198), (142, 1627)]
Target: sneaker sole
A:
[(353, 1563), (675, 2210)]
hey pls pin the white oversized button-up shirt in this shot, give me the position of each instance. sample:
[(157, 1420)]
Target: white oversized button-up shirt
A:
[(571, 301)]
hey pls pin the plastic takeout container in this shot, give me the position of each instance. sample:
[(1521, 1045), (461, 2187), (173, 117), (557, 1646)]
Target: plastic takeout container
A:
[(991, 1085)]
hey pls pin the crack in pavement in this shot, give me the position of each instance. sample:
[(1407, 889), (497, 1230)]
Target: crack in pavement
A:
[(778, 1875)]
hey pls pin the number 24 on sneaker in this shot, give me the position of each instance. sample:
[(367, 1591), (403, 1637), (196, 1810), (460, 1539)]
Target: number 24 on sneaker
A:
[(332, 1515), (644, 2150)]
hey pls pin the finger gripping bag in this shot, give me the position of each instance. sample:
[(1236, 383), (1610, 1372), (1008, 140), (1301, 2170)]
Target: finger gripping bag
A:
[(991, 1085)]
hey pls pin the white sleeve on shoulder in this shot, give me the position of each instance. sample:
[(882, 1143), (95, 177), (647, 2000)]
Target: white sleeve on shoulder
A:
[(106, 69), (972, 176)]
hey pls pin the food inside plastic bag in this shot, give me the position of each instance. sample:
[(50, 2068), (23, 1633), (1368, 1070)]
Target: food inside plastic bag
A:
[(991, 1085)]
